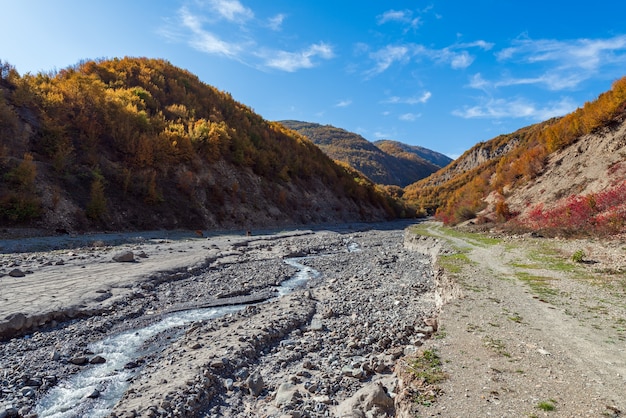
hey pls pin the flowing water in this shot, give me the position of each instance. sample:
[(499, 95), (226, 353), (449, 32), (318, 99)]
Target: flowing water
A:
[(95, 390)]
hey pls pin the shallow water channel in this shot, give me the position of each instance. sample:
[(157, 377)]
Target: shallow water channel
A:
[(95, 390)]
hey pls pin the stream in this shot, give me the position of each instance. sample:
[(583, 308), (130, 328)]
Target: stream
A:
[(96, 389)]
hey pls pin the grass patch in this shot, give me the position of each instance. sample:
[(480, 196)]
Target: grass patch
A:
[(441, 333), (453, 263), (547, 405), (496, 345), (515, 318), (427, 229), (552, 259), (426, 368), (474, 238), (538, 284)]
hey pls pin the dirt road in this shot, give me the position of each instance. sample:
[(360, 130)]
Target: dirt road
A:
[(535, 333)]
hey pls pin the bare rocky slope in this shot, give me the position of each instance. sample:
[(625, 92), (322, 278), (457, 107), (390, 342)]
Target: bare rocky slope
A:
[(591, 165)]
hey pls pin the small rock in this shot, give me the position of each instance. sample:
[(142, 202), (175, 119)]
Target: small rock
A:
[(286, 394), (316, 325), (229, 384), (255, 383), (28, 392), (95, 394), (17, 273), (217, 363), (410, 350), (370, 398), (124, 257), (97, 360), (78, 360), (34, 381)]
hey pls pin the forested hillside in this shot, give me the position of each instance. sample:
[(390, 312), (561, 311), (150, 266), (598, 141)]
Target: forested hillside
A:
[(515, 178), (139, 143), (413, 152), (387, 168)]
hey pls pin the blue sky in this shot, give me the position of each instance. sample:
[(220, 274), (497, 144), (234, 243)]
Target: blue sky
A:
[(439, 74)]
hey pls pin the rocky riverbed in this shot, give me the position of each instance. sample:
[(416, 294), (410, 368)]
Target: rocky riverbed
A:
[(327, 348)]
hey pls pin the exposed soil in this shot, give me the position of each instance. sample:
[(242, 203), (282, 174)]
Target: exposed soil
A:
[(534, 333)]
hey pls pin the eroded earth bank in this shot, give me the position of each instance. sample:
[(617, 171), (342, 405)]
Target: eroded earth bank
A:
[(164, 334)]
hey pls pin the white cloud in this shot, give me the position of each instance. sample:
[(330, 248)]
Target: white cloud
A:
[(293, 61), (455, 55), (516, 108), (231, 10), (409, 100), (382, 135), (461, 60), (478, 82), (276, 22), (425, 97), (564, 64), (387, 56), (401, 16), (344, 103), (410, 117), (205, 41), (244, 46), (476, 44)]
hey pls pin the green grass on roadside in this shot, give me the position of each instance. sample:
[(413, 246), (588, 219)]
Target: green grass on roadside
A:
[(427, 368), (539, 285), (547, 405), (453, 263), (427, 229), (551, 259)]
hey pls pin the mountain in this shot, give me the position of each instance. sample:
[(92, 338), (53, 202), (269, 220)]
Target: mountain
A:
[(405, 151), (400, 169), (563, 176), (137, 143)]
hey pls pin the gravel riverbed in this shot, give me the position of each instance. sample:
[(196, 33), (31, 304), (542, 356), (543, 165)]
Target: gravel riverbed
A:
[(328, 348)]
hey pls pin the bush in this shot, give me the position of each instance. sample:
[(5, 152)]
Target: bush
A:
[(19, 207)]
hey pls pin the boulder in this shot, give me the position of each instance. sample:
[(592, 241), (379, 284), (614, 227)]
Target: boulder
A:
[(255, 383), (17, 273), (372, 400), (286, 394), (124, 257)]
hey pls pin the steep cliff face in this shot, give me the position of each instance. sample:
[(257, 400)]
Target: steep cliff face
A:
[(473, 158), (593, 164)]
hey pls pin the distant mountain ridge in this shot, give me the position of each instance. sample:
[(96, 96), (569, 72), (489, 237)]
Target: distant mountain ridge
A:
[(391, 163), (400, 149)]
